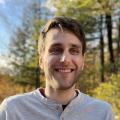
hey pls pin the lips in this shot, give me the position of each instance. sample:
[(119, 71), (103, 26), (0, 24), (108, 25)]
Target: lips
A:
[(64, 70)]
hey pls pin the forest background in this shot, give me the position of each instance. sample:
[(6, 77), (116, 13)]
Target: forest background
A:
[(101, 21)]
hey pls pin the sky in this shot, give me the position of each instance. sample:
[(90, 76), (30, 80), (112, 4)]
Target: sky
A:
[(10, 18), (11, 13)]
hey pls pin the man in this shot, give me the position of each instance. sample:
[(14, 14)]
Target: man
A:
[(61, 56)]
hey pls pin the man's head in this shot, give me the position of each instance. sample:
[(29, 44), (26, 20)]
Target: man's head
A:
[(61, 48), (62, 23)]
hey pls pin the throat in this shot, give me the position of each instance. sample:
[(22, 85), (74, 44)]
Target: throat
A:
[(64, 106), (60, 96)]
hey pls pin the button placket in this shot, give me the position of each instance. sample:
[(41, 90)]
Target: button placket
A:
[(59, 111), (62, 118)]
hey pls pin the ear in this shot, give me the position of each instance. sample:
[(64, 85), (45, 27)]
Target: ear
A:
[(41, 63)]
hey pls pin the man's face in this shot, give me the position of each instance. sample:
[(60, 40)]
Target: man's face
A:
[(62, 59)]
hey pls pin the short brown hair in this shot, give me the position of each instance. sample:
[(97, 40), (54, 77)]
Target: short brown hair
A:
[(66, 23)]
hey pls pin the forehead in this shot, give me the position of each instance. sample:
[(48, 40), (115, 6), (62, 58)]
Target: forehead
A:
[(65, 37)]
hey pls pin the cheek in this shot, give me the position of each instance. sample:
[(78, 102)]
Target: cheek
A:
[(79, 62), (49, 61)]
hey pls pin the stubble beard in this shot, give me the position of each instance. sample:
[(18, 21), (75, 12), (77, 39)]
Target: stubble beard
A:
[(57, 85), (54, 82)]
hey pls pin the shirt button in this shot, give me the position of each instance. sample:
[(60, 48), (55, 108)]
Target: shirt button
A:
[(57, 108)]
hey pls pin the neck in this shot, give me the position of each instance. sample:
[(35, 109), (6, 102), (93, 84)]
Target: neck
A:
[(60, 96)]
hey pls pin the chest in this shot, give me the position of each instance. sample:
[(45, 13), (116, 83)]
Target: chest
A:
[(56, 113)]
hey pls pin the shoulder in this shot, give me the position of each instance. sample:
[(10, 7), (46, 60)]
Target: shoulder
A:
[(94, 107), (94, 103), (102, 108), (16, 100), (101, 104)]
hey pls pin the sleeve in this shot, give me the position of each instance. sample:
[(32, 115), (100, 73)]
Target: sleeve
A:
[(3, 110)]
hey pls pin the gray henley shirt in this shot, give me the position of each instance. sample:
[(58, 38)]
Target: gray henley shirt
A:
[(34, 106)]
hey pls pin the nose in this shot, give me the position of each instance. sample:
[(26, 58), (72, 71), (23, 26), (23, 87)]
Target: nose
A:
[(62, 58), (65, 58)]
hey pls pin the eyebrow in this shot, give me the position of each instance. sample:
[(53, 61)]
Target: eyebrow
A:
[(56, 45), (72, 45), (76, 46)]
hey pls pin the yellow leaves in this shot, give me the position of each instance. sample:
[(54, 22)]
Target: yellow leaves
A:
[(109, 91), (7, 88), (103, 6), (85, 3), (105, 90)]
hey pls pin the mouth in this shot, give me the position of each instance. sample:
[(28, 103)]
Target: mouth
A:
[(64, 70)]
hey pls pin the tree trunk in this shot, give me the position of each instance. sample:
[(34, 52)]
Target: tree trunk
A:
[(101, 50), (109, 36), (118, 41)]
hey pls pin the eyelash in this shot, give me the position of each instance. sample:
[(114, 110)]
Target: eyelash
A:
[(74, 51), (56, 51)]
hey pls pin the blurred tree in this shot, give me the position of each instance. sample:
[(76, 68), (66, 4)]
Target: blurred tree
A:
[(89, 12), (110, 92), (107, 8), (101, 49), (8, 88), (23, 48), (77, 9), (118, 41)]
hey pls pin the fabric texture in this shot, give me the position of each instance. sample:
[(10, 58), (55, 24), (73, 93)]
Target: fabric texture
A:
[(34, 106)]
